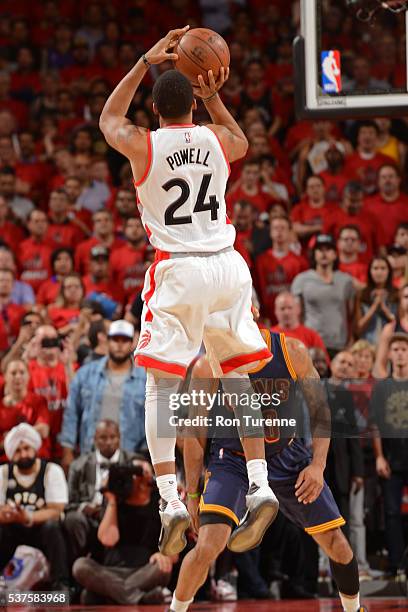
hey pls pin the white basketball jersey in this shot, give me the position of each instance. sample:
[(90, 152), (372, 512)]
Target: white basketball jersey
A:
[(182, 195)]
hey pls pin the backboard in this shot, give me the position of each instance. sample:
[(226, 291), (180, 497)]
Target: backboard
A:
[(351, 59)]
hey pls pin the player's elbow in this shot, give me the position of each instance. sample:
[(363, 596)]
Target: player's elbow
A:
[(244, 146)]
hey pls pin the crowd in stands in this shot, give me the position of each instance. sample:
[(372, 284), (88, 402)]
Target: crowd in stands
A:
[(321, 216)]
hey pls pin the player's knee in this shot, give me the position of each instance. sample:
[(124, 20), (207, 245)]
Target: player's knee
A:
[(207, 550), (338, 548), (202, 369)]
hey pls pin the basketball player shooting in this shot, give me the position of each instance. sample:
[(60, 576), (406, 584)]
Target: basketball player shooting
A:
[(199, 288)]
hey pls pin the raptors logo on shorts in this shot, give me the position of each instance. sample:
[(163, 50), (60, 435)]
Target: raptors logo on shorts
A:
[(144, 339)]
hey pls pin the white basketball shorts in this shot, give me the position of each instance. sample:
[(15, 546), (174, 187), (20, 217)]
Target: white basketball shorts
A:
[(189, 299)]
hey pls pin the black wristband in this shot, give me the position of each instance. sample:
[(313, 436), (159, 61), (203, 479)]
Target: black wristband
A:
[(210, 97), (146, 61)]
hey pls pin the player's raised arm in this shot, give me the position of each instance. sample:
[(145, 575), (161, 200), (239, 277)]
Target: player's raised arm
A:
[(120, 132), (223, 124)]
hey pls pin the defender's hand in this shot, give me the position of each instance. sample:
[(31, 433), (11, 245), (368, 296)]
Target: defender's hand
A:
[(207, 90), (160, 51), (309, 484)]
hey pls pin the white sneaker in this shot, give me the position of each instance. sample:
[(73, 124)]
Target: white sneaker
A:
[(262, 507), (221, 590), (175, 521)]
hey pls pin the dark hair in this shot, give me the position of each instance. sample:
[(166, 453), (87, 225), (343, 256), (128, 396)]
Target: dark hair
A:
[(312, 258), (353, 187), (355, 228), (367, 124), (55, 254), (403, 225), (366, 296), (95, 328), (173, 95)]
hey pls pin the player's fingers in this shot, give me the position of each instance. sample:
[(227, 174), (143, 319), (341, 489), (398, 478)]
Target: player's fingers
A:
[(227, 73), (171, 56), (300, 479), (201, 81), (211, 80), (305, 490), (303, 487)]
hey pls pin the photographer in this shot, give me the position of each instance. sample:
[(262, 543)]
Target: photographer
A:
[(86, 474), (132, 570)]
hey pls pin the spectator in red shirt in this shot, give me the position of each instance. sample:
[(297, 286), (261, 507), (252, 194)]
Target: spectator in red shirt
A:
[(64, 313), (248, 188), (309, 215), (277, 267), (398, 260), (19, 405), (62, 264), (389, 206), (10, 314), (127, 264), (99, 278), (348, 249), (51, 369), (35, 252), (353, 212), (401, 235), (22, 293), (365, 163), (9, 231), (103, 234), (30, 169), (125, 207), (61, 230), (335, 177), (287, 311), (16, 108), (19, 205), (80, 216)]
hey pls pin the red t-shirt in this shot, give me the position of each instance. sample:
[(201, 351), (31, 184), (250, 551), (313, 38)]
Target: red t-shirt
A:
[(372, 236), (61, 317), (275, 275), (108, 287), (83, 251), (388, 215), (48, 291), (64, 234), (10, 319), (12, 235), (260, 201), (50, 382), (34, 260), (334, 184), (128, 269), (240, 246), (32, 410), (309, 337), (365, 171), (307, 215), (357, 269)]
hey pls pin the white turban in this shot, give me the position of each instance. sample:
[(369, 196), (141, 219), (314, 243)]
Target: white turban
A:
[(22, 433)]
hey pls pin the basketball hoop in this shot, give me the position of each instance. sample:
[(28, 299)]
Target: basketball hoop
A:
[(367, 12)]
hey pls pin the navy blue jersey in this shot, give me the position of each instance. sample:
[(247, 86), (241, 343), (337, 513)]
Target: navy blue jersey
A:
[(277, 377)]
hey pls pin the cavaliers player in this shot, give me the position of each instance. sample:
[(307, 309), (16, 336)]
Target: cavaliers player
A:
[(295, 472), (199, 288)]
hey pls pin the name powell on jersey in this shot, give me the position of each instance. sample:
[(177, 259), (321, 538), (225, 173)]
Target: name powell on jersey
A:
[(144, 340)]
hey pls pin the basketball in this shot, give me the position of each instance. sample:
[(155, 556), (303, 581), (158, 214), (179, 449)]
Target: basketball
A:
[(199, 51)]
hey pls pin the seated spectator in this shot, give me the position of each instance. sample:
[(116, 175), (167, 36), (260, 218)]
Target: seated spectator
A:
[(62, 264), (274, 182), (8, 103), (389, 205), (334, 177), (20, 206), (277, 267), (97, 346), (389, 415), (10, 233), (19, 405), (22, 293), (78, 214), (363, 81), (363, 166), (327, 296), (132, 571), (103, 235), (34, 253), (287, 311), (127, 263), (111, 388), (30, 510), (376, 304), (401, 235), (29, 325), (64, 313), (388, 144), (124, 208), (248, 188), (85, 479), (349, 249), (61, 230), (51, 368), (309, 215), (99, 280), (94, 193), (10, 314), (352, 212), (397, 325), (398, 260)]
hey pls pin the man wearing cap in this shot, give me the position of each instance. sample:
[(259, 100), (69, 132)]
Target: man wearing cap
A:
[(327, 295), (109, 388), (33, 494), (99, 278), (389, 418)]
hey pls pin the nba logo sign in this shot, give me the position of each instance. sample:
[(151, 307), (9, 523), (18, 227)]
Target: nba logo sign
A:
[(331, 71)]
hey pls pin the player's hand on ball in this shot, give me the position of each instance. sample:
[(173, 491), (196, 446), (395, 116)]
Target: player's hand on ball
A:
[(206, 90), (192, 507), (309, 484), (161, 51)]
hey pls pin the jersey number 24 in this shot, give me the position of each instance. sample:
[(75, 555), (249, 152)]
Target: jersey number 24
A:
[(200, 205)]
